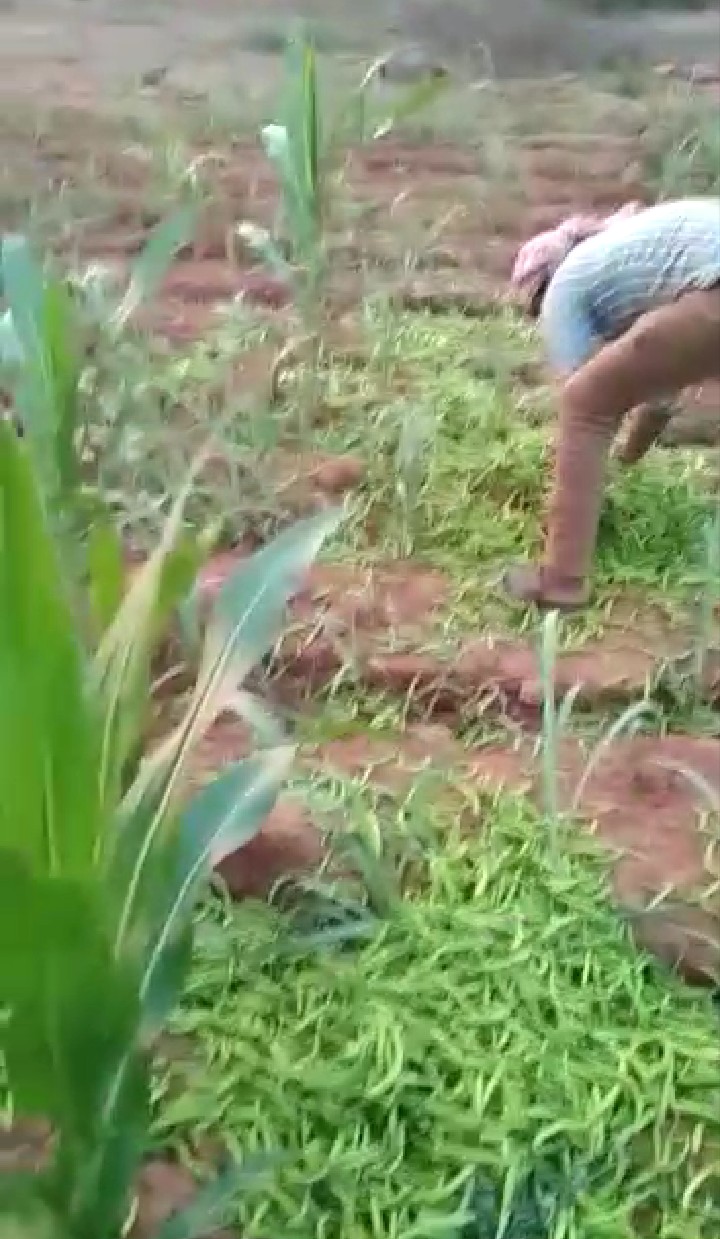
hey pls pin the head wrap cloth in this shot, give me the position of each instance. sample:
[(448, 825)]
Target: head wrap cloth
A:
[(539, 258)]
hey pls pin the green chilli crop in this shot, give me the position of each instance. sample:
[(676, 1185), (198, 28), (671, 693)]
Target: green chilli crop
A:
[(495, 1059)]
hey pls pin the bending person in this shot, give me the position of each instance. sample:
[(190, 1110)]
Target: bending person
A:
[(630, 312)]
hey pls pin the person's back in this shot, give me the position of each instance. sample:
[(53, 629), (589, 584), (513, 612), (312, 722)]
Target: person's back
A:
[(638, 263), (630, 308)]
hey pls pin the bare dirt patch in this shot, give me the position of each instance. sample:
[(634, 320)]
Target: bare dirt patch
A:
[(289, 845), (347, 614), (165, 1188)]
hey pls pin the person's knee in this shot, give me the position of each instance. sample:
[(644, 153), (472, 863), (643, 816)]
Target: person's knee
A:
[(582, 395)]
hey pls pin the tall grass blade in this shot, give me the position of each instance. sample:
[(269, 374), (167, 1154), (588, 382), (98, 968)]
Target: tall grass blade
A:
[(122, 663), (696, 781), (46, 382), (628, 720), (550, 734), (416, 99), (708, 600), (106, 574)]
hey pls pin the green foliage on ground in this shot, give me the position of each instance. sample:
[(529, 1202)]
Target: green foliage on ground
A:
[(487, 1056), (493, 1052)]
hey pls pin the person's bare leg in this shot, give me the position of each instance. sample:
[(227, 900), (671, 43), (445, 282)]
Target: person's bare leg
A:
[(665, 351)]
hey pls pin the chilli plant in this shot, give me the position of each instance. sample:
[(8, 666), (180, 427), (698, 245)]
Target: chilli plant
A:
[(103, 849)]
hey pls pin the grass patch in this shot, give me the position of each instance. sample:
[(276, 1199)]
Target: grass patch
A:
[(469, 446), (495, 1055), (683, 144), (457, 466)]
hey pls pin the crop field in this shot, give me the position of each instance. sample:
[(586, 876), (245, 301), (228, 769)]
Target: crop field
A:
[(460, 982)]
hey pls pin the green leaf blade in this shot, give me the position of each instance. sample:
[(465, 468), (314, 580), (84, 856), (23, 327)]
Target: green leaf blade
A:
[(56, 972), (221, 818), (248, 612), (49, 800)]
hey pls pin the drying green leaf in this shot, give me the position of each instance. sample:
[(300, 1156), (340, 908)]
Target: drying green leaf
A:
[(162, 877), (11, 350), (248, 613), (414, 100)]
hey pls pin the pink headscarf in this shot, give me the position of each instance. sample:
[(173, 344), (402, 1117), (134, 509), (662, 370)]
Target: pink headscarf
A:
[(539, 258)]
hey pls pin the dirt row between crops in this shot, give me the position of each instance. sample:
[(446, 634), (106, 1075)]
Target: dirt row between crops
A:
[(459, 227), (642, 797), (428, 228)]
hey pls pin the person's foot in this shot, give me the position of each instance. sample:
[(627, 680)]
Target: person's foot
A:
[(537, 585)]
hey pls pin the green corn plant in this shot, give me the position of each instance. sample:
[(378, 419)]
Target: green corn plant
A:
[(308, 150), (294, 147), (102, 854)]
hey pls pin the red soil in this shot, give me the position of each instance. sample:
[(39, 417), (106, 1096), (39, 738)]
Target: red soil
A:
[(644, 812)]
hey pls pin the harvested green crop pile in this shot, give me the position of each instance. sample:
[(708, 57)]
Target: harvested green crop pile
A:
[(496, 1060)]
